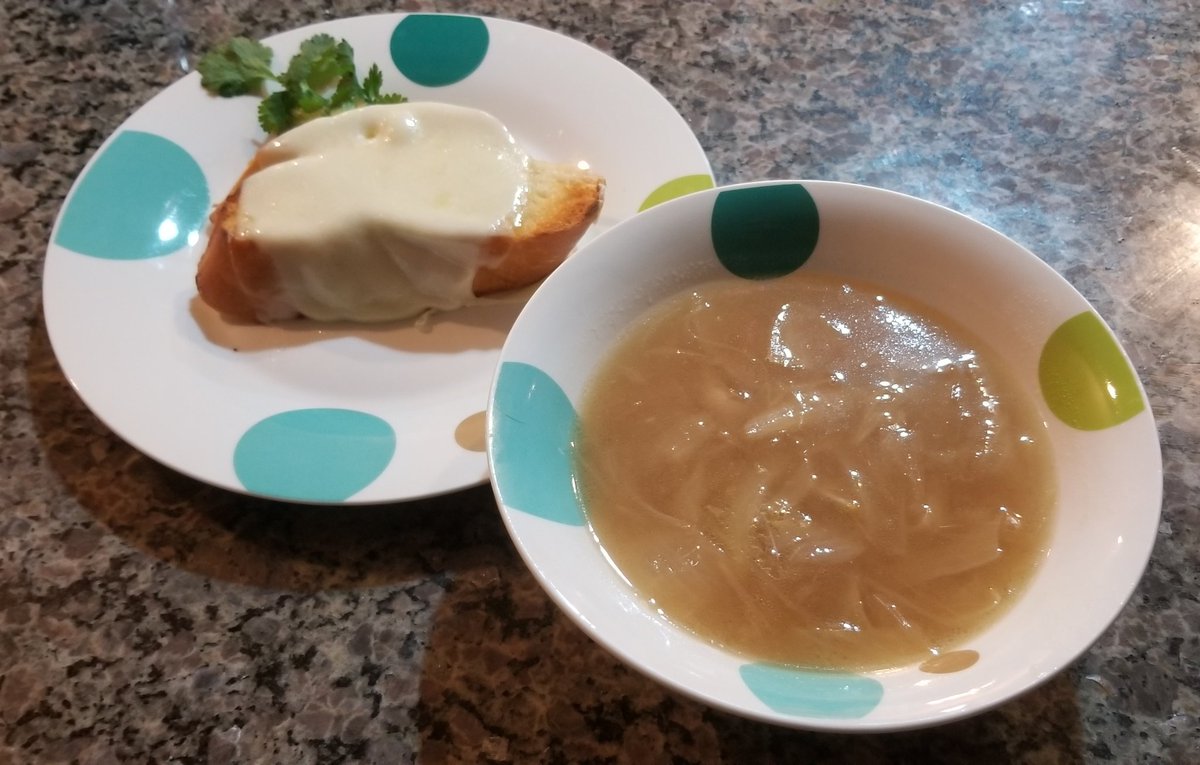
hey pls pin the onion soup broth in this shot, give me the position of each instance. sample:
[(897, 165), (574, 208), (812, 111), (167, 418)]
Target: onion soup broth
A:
[(810, 471)]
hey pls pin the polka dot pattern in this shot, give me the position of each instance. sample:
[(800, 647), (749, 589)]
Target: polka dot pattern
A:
[(952, 661), (1085, 378), (314, 455), (812, 694), (435, 50), (676, 187), (471, 433), (143, 197), (772, 229), (534, 423), (764, 231)]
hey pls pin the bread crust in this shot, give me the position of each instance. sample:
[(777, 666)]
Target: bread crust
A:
[(550, 229), (238, 279)]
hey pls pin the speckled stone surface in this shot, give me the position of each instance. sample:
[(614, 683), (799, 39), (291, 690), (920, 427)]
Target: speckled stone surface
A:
[(148, 618)]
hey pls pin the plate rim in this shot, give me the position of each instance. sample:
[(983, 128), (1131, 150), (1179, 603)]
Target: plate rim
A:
[(54, 253)]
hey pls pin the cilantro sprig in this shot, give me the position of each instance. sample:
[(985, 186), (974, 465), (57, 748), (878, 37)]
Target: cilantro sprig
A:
[(320, 80)]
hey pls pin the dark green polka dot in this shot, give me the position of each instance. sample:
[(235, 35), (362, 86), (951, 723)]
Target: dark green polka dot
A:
[(1085, 378), (764, 231), (435, 50)]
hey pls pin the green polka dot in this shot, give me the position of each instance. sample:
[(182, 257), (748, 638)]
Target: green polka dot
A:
[(143, 197), (677, 187), (1085, 378), (314, 455), (764, 231), (436, 50), (812, 694), (533, 429)]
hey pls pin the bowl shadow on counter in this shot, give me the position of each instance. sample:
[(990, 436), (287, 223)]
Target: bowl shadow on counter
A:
[(219, 534), (509, 677), (505, 675)]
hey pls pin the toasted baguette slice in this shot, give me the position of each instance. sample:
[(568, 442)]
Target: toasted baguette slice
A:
[(239, 279), (563, 202)]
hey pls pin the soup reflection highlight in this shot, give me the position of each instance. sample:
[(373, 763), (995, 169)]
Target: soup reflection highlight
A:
[(814, 472)]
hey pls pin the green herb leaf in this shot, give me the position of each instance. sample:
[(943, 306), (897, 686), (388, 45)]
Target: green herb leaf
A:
[(238, 67), (320, 80), (347, 95), (390, 98), (307, 99), (275, 112), (320, 62), (370, 89), (371, 84)]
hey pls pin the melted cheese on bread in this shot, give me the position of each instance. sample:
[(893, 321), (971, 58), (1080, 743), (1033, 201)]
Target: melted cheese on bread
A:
[(385, 211)]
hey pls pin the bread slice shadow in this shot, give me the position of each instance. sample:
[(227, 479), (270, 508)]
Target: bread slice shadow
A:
[(482, 325)]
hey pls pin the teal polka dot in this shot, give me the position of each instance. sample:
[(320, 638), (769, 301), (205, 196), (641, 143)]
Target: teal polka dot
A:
[(812, 694), (436, 50), (143, 197), (533, 428), (765, 231), (314, 455)]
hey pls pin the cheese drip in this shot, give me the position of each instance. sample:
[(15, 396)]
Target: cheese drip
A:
[(383, 212)]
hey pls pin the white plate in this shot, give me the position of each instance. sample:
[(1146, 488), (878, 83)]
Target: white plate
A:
[(159, 368)]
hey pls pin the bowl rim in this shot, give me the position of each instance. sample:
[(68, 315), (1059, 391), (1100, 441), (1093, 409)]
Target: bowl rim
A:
[(765, 714)]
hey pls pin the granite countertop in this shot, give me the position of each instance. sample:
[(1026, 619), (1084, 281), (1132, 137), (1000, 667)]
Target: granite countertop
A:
[(146, 617)]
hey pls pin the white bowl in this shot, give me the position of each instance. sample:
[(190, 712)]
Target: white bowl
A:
[(1106, 447)]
